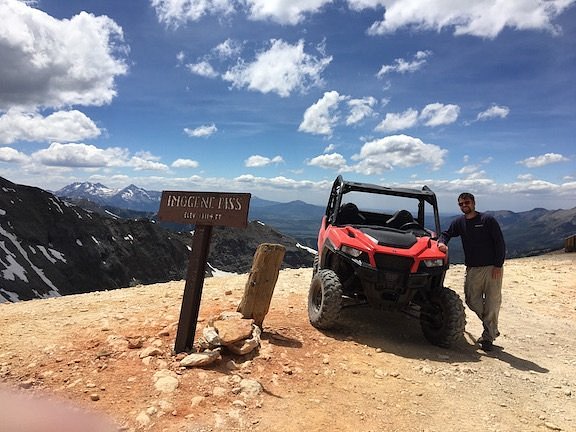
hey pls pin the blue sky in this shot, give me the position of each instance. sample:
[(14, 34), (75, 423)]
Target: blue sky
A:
[(278, 97)]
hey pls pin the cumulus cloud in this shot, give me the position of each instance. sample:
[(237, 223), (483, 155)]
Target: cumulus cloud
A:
[(385, 154), (438, 114), (280, 182), (146, 162), (228, 48), (80, 155), (202, 68), (402, 151), (402, 66), (185, 163), (333, 161), (360, 109), (320, 118), (398, 121), (284, 11), (66, 126), (48, 62), (257, 161), (89, 156), (201, 131), (432, 115), (10, 155), (494, 111), (176, 12), (281, 69), (482, 18), (542, 160)]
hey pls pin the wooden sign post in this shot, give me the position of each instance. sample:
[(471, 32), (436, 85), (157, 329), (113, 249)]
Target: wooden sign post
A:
[(204, 210)]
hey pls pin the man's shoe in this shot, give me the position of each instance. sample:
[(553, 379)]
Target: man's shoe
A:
[(487, 345)]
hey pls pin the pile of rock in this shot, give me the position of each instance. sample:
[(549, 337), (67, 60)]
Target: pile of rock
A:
[(228, 331)]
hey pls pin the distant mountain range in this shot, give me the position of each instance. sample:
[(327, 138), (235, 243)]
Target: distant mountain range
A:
[(51, 246), (527, 233)]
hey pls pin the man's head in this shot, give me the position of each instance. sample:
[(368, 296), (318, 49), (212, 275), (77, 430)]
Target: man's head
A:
[(467, 203)]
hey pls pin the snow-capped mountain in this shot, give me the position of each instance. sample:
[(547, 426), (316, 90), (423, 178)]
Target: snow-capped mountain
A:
[(131, 197), (95, 192)]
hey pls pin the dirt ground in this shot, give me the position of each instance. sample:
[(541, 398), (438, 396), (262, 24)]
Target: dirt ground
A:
[(375, 373)]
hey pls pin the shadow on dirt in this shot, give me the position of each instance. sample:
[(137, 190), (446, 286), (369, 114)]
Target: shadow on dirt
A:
[(516, 362), (400, 334)]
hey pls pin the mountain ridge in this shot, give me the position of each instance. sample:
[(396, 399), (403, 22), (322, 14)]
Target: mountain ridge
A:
[(526, 233), (51, 247)]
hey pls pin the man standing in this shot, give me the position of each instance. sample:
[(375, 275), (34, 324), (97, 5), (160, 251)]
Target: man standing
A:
[(484, 252)]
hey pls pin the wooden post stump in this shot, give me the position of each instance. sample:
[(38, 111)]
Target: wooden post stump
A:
[(261, 282)]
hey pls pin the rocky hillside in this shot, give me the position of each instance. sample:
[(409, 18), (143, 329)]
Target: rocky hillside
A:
[(49, 247)]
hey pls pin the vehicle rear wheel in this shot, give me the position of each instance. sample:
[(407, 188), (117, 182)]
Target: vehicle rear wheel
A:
[(324, 299), (443, 319)]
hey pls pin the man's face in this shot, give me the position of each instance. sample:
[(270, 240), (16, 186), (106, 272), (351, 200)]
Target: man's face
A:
[(466, 205)]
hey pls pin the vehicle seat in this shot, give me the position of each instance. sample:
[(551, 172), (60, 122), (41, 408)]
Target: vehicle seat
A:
[(348, 215), (401, 217)]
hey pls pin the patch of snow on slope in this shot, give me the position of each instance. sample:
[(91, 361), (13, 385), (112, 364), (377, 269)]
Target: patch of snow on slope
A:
[(220, 273), (53, 290)]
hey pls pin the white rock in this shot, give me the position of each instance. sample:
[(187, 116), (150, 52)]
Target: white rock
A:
[(250, 387), (165, 381), (200, 359), (143, 419), (150, 352)]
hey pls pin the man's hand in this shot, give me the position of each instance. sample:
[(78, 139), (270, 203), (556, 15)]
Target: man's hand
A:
[(442, 247)]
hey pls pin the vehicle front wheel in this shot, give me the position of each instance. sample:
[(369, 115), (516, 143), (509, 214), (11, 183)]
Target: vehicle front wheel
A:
[(324, 299), (443, 319)]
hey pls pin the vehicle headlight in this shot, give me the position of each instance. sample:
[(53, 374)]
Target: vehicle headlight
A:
[(351, 251), (434, 262)]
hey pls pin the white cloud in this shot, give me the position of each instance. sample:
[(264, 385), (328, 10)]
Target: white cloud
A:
[(403, 66), (48, 62), (432, 115), (228, 48), (185, 163), (482, 18), (146, 163), (284, 11), (80, 155), (201, 131), (202, 68), (329, 148), (398, 121), (8, 154), (438, 114), (360, 109), (329, 161), (59, 126), (176, 12), (281, 69), (281, 183), (542, 160), (494, 111), (320, 118), (402, 151), (257, 161)]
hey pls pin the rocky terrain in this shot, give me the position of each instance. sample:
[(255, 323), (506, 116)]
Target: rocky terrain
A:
[(111, 353)]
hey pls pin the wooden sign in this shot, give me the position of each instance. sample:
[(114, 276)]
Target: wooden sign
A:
[(204, 210)]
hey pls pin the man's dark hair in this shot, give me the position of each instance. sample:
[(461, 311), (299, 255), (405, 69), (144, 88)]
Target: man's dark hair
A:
[(466, 195)]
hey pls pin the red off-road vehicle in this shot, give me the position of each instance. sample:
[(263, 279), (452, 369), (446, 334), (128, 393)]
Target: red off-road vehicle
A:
[(378, 246)]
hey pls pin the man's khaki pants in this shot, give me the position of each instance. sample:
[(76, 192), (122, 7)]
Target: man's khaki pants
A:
[(484, 297)]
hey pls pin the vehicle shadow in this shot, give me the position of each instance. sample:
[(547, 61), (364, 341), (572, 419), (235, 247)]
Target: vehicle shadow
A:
[(400, 334)]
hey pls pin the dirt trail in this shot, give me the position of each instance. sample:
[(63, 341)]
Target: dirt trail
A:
[(375, 373)]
